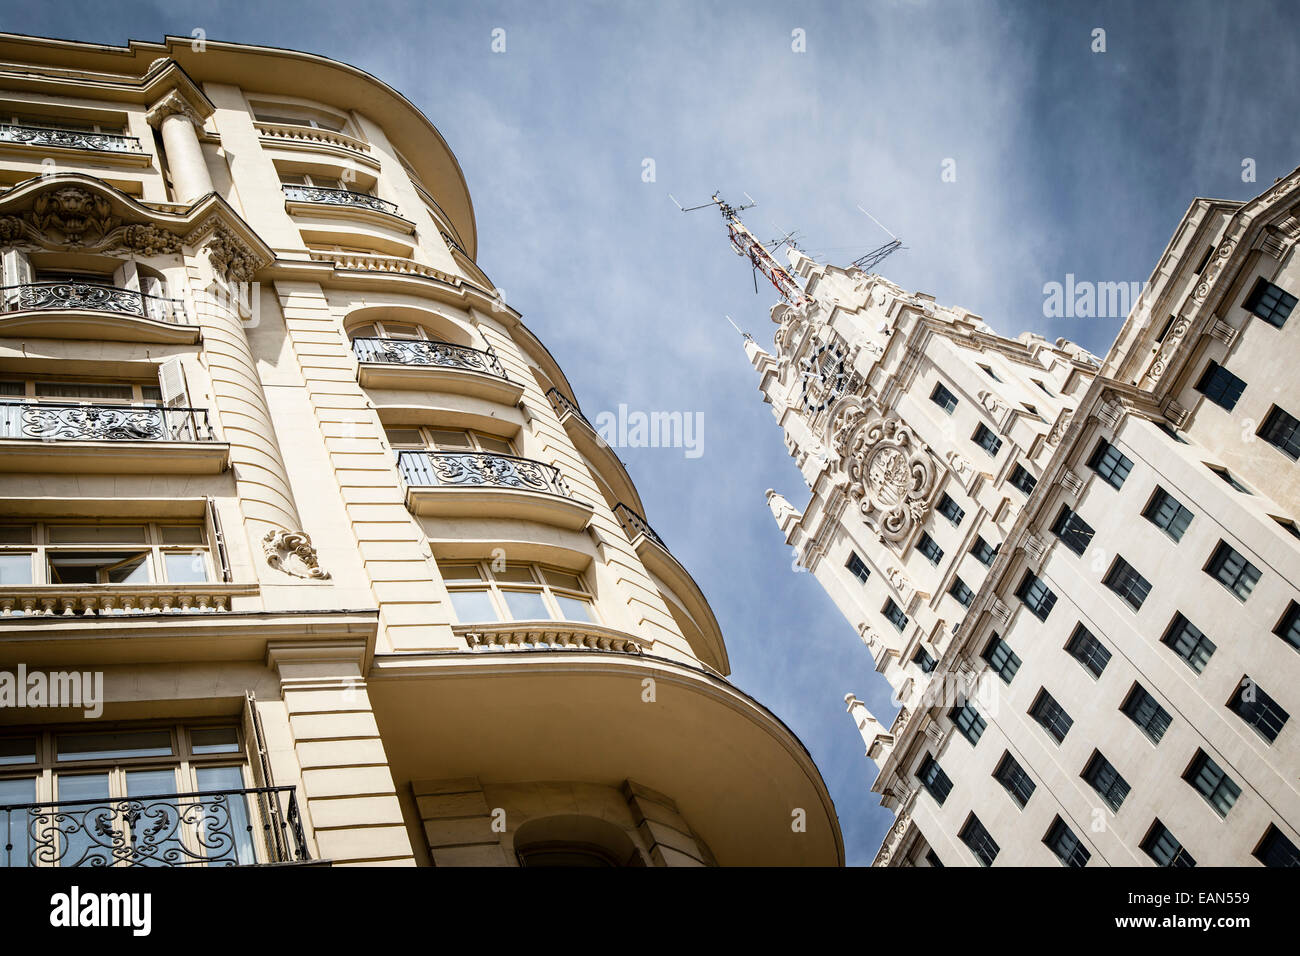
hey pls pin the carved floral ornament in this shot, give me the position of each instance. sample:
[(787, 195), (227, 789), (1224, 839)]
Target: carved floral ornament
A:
[(292, 553), (68, 216), (889, 470)]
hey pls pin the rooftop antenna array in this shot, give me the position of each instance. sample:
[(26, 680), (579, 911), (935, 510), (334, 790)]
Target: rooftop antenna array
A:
[(748, 247), (877, 255)]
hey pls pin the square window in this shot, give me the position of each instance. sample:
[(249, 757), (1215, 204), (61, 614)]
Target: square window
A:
[(1023, 480), (1001, 658), (474, 606), (1125, 581), (1220, 386), (1073, 531), (15, 569), (1109, 462), (986, 439), (1281, 429), (1186, 640), (1233, 571), (1270, 303), (1168, 514)]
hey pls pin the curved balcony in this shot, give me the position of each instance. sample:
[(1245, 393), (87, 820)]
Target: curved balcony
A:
[(88, 310), (123, 150), (735, 772), (686, 602), (313, 139), (65, 437), (256, 825), (488, 485), (339, 197), (594, 448), (434, 366)]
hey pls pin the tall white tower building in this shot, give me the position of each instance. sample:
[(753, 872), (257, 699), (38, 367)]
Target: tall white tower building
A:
[(1079, 576)]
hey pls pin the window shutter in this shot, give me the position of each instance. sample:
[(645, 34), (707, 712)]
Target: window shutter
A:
[(17, 268), (127, 276), (259, 763), (171, 381), (218, 541)]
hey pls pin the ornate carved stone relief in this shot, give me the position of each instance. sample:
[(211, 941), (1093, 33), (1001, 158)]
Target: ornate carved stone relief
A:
[(292, 553), (891, 475)]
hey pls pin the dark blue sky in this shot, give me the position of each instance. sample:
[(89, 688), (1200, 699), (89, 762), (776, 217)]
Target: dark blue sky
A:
[(1067, 161)]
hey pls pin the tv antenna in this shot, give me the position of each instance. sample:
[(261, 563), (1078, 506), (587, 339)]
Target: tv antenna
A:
[(747, 246), (868, 262)]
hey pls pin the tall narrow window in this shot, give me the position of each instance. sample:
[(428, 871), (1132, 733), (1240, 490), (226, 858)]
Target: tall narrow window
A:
[(1109, 462), (1014, 780), (1051, 716), (979, 840), (1106, 780), (1261, 712), (1088, 651)]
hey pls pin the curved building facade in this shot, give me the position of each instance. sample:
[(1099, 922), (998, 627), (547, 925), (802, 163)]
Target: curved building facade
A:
[(282, 470)]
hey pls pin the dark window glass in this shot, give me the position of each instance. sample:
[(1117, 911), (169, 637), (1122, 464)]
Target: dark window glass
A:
[(1001, 658), (1141, 708), (1105, 779), (986, 439), (943, 398), (1220, 386), (1269, 303), (1012, 776), (1060, 839), (927, 546), (1051, 716), (1161, 846), (1036, 595), (1168, 514), (1233, 571), (1186, 640), (950, 510), (961, 592), (1232, 482), (979, 840), (934, 780), (1282, 430), (990, 373), (1289, 627), (1088, 651), (1264, 715), (1209, 780), (1276, 850), (923, 660), (1124, 580), (983, 551), (1023, 480), (857, 568), (932, 858), (968, 721), (1109, 462), (1074, 532), (894, 614)]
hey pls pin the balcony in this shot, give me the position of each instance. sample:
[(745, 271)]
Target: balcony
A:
[(483, 485), (686, 602), (88, 310), (339, 197), (119, 149), (117, 600), (293, 136), (117, 439), (434, 366), (594, 448), (250, 827)]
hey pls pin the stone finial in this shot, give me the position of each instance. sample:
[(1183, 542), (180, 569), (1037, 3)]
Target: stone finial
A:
[(782, 510)]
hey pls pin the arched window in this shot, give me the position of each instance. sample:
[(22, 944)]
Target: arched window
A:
[(571, 840)]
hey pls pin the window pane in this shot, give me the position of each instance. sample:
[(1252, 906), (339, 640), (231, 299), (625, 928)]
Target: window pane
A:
[(186, 567), (181, 533), (83, 390), (17, 750), (97, 534), (574, 609), (13, 825), (156, 832), (473, 606), (16, 534), (404, 436), (499, 445), (214, 740), (139, 743), (15, 569), (562, 579), (99, 567), (526, 605), (454, 440), (76, 847), (515, 574), (227, 832), (460, 572)]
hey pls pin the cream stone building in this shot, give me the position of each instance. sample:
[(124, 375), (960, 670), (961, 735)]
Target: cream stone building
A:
[(1079, 576), (277, 461)]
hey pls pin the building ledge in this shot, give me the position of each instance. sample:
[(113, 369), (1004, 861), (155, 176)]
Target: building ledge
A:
[(461, 501), (35, 456), (94, 326), (432, 378)]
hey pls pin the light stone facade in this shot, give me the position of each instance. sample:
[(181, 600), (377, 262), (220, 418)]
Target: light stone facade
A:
[(970, 523), (278, 460)]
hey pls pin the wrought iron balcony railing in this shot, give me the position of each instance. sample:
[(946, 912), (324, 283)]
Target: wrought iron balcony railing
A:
[(339, 197), (35, 296), (210, 828), (633, 525), (479, 469), (68, 138), (66, 421), (566, 406), (420, 352)]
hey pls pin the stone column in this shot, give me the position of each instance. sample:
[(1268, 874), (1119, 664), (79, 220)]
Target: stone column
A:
[(178, 123)]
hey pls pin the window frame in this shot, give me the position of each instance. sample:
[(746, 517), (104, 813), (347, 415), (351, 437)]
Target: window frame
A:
[(496, 590)]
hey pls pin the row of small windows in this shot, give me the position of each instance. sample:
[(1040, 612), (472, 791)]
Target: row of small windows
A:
[(1280, 428)]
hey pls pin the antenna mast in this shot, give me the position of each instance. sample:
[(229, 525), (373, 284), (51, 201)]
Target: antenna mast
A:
[(748, 246)]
